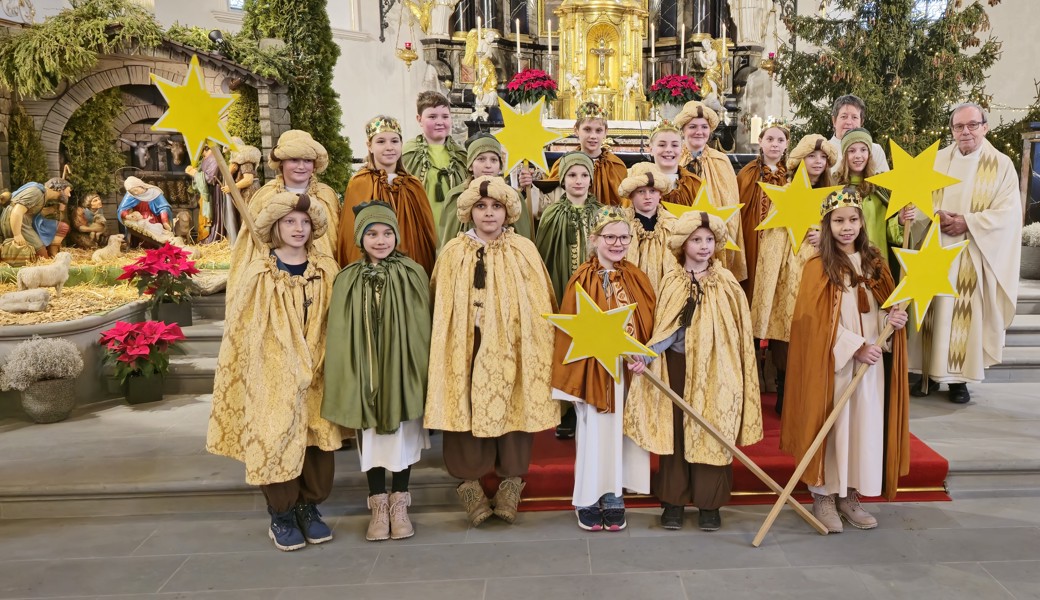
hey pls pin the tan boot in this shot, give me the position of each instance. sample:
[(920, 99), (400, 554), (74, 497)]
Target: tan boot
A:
[(478, 509), (507, 498), (379, 526), (400, 524), (825, 512), (851, 510)]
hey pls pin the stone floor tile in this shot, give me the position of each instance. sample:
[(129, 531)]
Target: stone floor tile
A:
[(314, 565), (959, 581), (467, 589), (627, 586), (853, 547), (189, 536), (793, 583), (685, 552), (971, 545), (995, 512), (475, 561), (90, 577), (254, 594), (911, 516), (431, 527), (536, 526), (1021, 578), (71, 538)]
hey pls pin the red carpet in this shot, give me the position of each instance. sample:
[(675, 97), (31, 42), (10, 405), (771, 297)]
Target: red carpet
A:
[(551, 478)]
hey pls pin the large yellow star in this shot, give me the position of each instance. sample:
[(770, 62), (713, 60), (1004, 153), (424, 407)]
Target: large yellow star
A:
[(193, 112), (598, 334), (795, 207), (523, 137), (702, 204), (927, 273), (912, 180)]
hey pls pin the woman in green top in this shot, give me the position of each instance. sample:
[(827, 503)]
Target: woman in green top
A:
[(856, 167)]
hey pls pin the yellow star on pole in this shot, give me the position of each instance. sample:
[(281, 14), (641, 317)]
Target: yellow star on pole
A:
[(598, 334), (912, 180), (193, 111), (702, 204), (927, 273), (795, 207), (523, 137)]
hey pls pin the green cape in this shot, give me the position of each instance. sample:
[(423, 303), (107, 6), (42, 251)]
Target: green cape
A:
[(564, 228)]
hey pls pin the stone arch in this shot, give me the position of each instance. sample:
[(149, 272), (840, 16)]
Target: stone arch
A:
[(136, 114)]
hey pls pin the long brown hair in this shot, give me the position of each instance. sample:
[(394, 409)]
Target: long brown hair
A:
[(836, 263), (844, 176)]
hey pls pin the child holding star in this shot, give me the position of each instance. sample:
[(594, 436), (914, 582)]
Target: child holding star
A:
[(856, 166), (433, 156), (490, 363), (651, 223), (613, 439), (702, 331), (779, 270), (609, 170), (384, 178), (768, 167), (837, 319), (666, 148)]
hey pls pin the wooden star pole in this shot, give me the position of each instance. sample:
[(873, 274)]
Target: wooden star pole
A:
[(737, 452)]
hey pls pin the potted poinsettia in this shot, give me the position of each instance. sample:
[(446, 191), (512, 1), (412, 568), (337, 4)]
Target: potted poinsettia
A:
[(140, 353), (671, 92), (529, 86), (164, 273)]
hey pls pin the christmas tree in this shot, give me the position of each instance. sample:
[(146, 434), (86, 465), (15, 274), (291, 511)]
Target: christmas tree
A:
[(908, 62)]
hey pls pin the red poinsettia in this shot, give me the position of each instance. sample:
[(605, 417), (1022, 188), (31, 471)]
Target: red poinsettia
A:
[(162, 273), (530, 85), (673, 89), (140, 349)]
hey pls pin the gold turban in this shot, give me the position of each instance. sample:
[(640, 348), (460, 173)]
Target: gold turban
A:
[(688, 223), (696, 110), (298, 144), (645, 174), (488, 186), (809, 144), (284, 203)]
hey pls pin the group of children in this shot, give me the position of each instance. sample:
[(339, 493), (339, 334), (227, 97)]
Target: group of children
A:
[(420, 305)]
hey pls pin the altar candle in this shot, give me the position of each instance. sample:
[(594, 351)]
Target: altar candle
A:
[(682, 41), (653, 53), (724, 40), (756, 128), (478, 29), (517, 30), (549, 22)]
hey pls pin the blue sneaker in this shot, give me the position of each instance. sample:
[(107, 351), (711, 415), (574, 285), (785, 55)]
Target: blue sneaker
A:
[(285, 531), (590, 518), (314, 529)]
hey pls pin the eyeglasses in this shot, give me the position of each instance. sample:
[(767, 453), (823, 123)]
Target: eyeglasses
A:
[(972, 126), (624, 240)]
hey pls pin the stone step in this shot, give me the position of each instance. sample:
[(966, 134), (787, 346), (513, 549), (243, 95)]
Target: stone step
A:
[(1028, 297), (208, 307), (203, 337), (1024, 331), (1020, 364)]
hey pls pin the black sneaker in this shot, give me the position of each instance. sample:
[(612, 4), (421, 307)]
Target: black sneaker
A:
[(568, 424), (285, 531), (589, 518), (672, 517), (314, 529), (614, 519), (709, 520)]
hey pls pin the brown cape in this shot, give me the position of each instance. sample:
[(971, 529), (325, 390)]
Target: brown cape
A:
[(810, 377), (686, 189)]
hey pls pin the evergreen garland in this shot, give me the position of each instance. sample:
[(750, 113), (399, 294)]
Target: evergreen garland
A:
[(1007, 136), (909, 70), (244, 116), (313, 105), (36, 60), (240, 48), (28, 159), (88, 147)]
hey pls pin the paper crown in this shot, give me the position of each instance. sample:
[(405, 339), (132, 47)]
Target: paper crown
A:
[(665, 125), (778, 122), (382, 125), (591, 110), (607, 215), (849, 196)]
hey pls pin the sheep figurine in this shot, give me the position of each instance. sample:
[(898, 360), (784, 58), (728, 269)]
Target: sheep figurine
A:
[(53, 275), (182, 224), (25, 301), (112, 250)]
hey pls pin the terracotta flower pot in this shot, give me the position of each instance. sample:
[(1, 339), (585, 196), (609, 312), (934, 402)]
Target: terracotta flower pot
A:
[(49, 401)]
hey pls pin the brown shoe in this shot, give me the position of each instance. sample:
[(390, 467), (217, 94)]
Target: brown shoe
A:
[(850, 509), (476, 504), (379, 526), (507, 498), (400, 524), (825, 512)]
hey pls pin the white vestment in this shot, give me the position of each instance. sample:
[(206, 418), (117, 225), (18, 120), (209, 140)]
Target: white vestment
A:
[(394, 451)]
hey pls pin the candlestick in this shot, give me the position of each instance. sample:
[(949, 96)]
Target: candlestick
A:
[(653, 53)]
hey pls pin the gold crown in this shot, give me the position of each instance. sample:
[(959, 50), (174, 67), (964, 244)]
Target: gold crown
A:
[(778, 122), (382, 125), (591, 110), (848, 196), (665, 125), (607, 215)]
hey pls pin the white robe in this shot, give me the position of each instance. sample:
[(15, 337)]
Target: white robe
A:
[(855, 449), (994, 235), (396, 451)]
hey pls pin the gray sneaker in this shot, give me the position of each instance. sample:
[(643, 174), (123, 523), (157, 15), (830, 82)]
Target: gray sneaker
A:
[(850, 509), (824, 510)]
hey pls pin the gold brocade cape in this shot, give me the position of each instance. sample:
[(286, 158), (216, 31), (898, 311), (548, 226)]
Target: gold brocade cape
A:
[(245, 251), (504, 385), (717, 173), (414, 216), (810, 393), (586, 378), (609, 172), (450, 226), (649, 249), (721, 369), (686, 188), (756, 207), (267, 392), (778, 273)]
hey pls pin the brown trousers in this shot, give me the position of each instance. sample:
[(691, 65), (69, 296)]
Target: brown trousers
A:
[(679, 482), (468, 457), (313, 485)]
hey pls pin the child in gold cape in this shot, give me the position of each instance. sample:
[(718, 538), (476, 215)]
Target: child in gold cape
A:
[(644, 188)]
